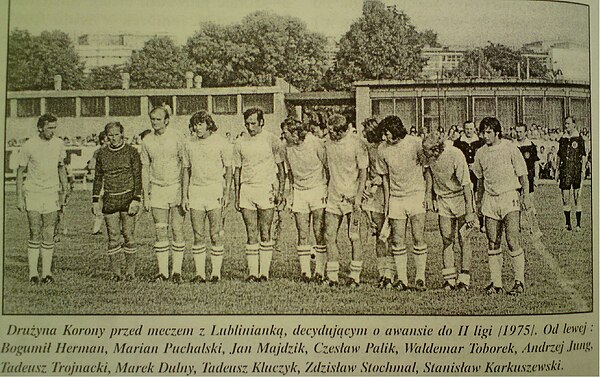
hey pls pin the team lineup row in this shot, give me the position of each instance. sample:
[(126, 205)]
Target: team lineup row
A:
[(393, 176)]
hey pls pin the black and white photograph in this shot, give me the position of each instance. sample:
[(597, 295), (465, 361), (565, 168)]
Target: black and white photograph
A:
[(267, 165)]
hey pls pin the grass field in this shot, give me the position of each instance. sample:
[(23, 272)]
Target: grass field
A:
[(559, 274)]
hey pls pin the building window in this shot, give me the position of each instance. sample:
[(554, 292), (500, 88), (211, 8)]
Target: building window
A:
[(124, 106), (432, 111), (555, 113), (533, 110), (483, 107), (28, 107), (92, 107), (188, 105), (61, 107), (380, 108), (507, 112), (158, 101), (580, 112), (406, 109), (455, 112), (264, 101), (225, 104)]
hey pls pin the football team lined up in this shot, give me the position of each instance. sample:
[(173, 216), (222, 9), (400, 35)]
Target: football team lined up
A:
[(334, 174)]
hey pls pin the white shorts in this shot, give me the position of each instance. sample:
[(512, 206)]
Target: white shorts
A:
[(452, 208), (374, 202), (497, 207), (205, 198), (257, 196), (407, 206), (43, 202), (306, 201), (339, 207), (165, 197)]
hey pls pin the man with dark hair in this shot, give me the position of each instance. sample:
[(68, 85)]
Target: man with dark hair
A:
[(502, 191), (400, 165), (118, 171), (163, 158), (43, 157), (571, 170), (347, 162), (259, 178), (205, 192), (469, 143), (530, 155), (306, 159)]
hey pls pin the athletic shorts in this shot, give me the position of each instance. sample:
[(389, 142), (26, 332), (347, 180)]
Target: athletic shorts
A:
[(116, 203), (407, 206), (568, 182), (43, 202), (339, 207), (257, 196), (497, 207), (306, 201), (165, 197), (374, 202), (205, 198), (452, 208)]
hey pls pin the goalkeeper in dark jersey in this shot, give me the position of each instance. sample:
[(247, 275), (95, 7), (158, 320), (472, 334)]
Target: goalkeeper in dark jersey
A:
[(118, 171)]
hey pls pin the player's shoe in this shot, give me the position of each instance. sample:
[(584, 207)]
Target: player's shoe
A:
[(34, 280), (400, 286), (214, 279), (198, 280), (159, 278), (493, 290), (448, 287), (263, 279), (462, 287), (48, 279), (517, 289), (304, 278), (352, 283), (330, 283), (420, 286), (578, 228), (318, 278), (176, 278), (568, 227), (252, 279)]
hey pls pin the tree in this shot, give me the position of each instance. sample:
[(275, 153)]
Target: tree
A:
[(159, 64), (257, 50), (382, 44), (429, 38), (105, 77), (33, 61), (497, 60)]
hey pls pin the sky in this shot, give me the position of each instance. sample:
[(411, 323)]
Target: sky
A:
[(457, 22)]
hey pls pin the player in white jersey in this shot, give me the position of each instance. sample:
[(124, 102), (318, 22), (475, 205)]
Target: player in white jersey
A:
[(503, 187), (347, 162), (43, 156), (399, 163), (205, 193), (259, 178), (306, 159), (454, 197), (374, 204), (163, 158)]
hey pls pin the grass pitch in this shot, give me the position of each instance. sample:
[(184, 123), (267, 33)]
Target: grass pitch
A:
[(559, 273)]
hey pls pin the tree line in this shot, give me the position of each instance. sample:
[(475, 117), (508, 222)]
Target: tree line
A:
[(381, 44)]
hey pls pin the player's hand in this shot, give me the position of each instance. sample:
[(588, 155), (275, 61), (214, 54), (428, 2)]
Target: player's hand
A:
[(134, 208), (21, 203), (237, 204), (429, 205), (147, 203), (471, 219), (225, 202), (96, 209), (185, 204), (525, 202), (478, 207)]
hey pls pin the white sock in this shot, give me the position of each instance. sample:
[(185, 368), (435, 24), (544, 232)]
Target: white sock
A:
[(252, 258), (518, 259), (47, 250), (199, 253), (266, 254), (33, 256), (400, 259), (216, 260), (178, 249), (355, 270), (495, 262), (420, 255), (320, 259), (161, 249), (333, 268), (304, 258)]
